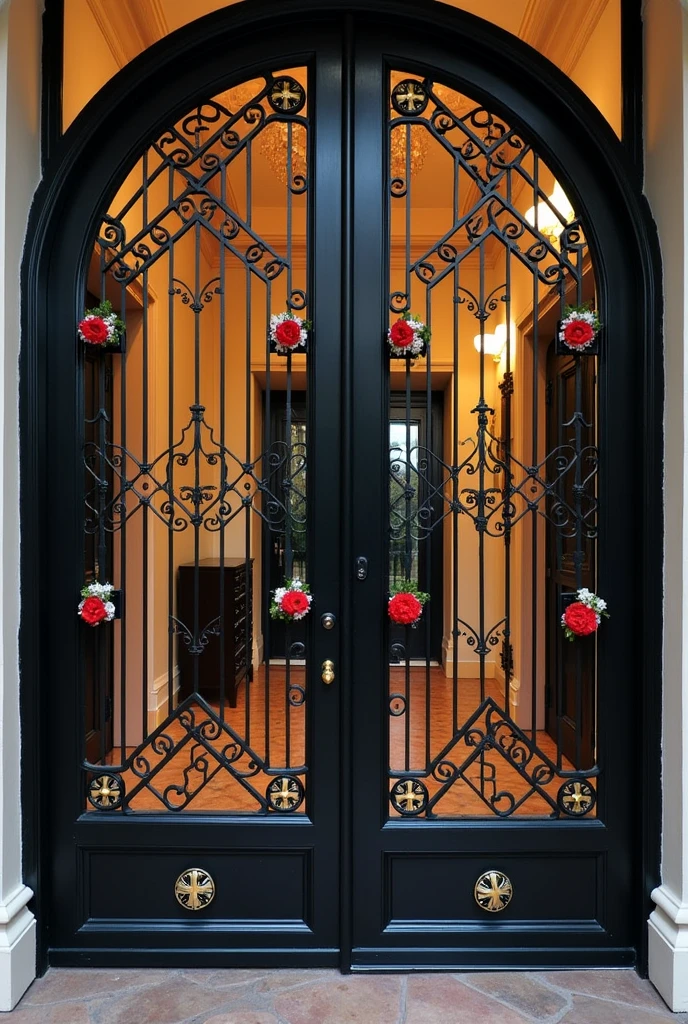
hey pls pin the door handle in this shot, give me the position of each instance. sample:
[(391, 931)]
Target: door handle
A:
[(327, 672)]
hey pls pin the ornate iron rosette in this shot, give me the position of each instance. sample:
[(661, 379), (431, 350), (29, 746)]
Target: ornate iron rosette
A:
[(409, 796), (409, 97), (493, 891), (106, 792), (287, 96), (194, 889), (285, 794), (576, 798)]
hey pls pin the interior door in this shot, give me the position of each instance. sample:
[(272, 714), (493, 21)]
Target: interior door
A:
[(571, 667), (465, 850), (211, 806)]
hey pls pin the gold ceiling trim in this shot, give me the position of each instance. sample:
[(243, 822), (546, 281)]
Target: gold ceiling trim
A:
[(549, 28), (129, 26)]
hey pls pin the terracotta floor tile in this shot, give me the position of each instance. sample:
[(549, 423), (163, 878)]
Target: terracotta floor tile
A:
[(587, 1010), (172, 1003), (520, 991), (228, 977), (67, 984), (441, 999), (65, 1013), (244, 1017), (623, 986), (345, 1000), (263, 996)]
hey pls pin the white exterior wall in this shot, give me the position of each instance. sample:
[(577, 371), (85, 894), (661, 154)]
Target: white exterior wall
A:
[(666, 138), (20, 78)]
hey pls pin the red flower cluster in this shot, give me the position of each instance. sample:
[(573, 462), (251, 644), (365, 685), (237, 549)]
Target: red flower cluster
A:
[(294, 602), (580, 619), (405, 609), (401, 334), (288, 333), (94, 330), (93, 611), (578, 332)]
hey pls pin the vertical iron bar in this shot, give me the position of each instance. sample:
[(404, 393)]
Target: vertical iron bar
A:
[(123, 549), (534, 460), (482, 423), (144, 456), (170, 466), (223, 454), (455, 472), (197, 417), (428, 536)]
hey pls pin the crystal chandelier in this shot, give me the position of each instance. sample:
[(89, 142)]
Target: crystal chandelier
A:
[(275, 147), (418, 146), (274, 138)]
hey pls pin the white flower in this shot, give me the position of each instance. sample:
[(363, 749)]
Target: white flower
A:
[(109, 611), (279, 594), (296, 584)]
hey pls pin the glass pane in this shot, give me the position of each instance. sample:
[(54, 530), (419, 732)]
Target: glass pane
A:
[(493, 461), (188, 487)]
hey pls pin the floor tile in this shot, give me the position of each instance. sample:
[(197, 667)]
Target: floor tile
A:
[(344, 1000), (244, 1017), (172, 1003), (586, 1010), (520, 991), (63, 984), (441, 999), (623, 986)]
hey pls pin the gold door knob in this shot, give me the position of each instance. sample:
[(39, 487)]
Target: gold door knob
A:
[(328, 672)]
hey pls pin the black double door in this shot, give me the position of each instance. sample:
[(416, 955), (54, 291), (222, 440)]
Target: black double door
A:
[(371, 870)]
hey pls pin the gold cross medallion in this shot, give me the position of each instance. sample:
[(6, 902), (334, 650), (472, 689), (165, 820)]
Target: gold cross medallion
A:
[(194, 889), (493, 891)]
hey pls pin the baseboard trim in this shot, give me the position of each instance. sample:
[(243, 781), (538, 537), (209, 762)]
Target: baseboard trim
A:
[(17, 947), (668, 948)]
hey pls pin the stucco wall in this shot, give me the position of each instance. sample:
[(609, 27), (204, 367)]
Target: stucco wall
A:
[(19, 174)]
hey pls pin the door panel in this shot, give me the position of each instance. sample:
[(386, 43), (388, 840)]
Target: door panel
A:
[(477, 803), (210, 774)]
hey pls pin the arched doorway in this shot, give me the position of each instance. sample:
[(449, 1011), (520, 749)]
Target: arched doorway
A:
[(340, 791)]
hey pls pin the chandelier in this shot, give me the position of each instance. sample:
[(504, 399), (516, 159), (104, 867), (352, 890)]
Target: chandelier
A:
[(418, 147), (275, 143)]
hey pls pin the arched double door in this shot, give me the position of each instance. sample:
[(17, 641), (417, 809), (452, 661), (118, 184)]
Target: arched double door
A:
[(236, 788)]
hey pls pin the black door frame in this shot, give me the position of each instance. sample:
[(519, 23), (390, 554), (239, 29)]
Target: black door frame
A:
[(608, 193)]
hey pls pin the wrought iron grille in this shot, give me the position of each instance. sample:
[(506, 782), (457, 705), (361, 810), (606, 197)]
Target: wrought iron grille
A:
[(499, 716), (193, 699)]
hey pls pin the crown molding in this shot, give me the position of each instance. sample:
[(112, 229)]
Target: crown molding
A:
[(129, 26), (549, 28)]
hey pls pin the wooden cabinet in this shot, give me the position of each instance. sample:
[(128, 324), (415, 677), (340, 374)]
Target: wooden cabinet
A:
[(230, 642)]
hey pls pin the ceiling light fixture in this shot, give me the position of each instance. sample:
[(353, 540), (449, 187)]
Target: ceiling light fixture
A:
[(549, 223)]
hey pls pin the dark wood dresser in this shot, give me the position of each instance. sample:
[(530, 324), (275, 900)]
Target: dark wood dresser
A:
[(237, 627)]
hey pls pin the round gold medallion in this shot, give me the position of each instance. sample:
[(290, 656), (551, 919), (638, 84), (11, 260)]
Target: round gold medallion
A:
[(194, 889), (493, 891), (106, 792)]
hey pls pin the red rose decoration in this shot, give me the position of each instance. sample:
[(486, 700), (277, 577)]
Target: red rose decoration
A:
[(578, 332), (580, 619), (405, 609), (288, 333), (401, 334), (93, 611), (294, 602), (94, 330)]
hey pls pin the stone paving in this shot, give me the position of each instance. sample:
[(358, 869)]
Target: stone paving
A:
[(150, 996)]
